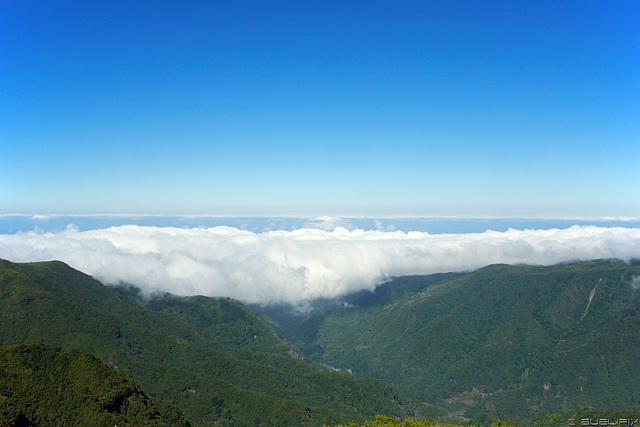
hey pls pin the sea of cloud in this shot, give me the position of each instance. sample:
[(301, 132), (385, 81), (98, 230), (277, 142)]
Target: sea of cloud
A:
[(299, 265)]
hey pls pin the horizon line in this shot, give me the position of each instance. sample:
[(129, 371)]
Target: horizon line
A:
[(39, 216)]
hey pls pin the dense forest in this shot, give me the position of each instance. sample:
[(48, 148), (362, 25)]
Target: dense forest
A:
[(514, 341), (210, 357), (523, 343), (44, 385)]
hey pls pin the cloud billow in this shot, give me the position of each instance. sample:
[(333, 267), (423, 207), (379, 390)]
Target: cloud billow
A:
[(303, 264)]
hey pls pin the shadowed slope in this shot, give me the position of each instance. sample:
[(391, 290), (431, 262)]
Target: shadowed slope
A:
[(210, 357), (43, 385)]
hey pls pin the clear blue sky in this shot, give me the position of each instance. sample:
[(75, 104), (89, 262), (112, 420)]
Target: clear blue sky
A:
[(471, 108)]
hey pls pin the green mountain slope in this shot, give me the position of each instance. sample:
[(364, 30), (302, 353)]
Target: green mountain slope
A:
[(210, 357), (301, 327), (515, 341), (43, 385)]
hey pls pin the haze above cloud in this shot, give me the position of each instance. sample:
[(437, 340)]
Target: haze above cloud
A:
[(303, 264)]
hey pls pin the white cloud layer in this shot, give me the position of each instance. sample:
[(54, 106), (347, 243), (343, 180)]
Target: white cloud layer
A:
[(295, 266)]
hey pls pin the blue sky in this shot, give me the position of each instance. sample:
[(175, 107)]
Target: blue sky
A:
[(474, 108)]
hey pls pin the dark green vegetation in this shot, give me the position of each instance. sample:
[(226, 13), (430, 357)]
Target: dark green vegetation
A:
[(511, 341), (581, 417), (210, 357), (507, 342), (43, 385), (301, 327)]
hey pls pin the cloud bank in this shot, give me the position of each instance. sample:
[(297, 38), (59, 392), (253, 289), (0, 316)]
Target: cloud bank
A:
[(300, 265)]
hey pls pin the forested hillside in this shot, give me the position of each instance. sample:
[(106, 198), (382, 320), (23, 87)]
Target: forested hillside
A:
[(43, 385), (514, 341), (210, 357)]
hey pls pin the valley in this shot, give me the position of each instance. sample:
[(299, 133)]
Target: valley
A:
[(513, 341), (210, 357), (502, 342)]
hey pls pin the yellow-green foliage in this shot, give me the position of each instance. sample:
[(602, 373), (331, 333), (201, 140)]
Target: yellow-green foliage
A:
[(384, 421)]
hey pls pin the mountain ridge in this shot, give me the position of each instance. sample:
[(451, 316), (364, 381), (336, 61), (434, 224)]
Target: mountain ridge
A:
[(503, 339), (211, 357), (512, 341)]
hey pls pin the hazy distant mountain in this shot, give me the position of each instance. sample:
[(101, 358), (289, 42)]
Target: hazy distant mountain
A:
[(514, 341), (210, 357)]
